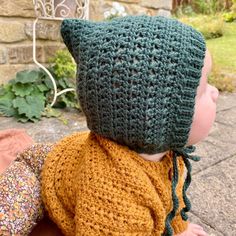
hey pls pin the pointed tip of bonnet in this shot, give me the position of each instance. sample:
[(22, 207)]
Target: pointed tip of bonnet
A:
[(71, 33)]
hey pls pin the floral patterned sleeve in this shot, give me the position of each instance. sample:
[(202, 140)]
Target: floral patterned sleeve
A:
[(20, 201)]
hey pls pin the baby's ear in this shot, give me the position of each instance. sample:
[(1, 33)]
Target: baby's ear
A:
[(71, 32)]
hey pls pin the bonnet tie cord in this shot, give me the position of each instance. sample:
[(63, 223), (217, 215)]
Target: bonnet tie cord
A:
[(184, 153), (171, 215)]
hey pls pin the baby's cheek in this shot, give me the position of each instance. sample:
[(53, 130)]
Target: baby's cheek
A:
[(208, 112), (203, 119)]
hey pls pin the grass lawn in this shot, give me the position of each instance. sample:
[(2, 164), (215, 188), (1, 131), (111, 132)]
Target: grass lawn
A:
[(223, 50)]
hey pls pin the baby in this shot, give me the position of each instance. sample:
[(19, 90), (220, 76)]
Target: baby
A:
[(142, 84)]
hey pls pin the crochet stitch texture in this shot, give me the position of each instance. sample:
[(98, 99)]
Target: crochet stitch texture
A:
[(137, 78), (93, 186)]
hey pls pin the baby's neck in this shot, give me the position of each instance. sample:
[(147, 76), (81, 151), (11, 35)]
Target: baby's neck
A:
[(154, 157)]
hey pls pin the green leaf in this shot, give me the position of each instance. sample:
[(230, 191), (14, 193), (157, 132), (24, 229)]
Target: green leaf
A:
[(27, 76), (62, 83), (22, 118), (22, 90), (69, 82), (63, 64), (42, 73), (69, 99), (42, 87), (7, 109), (2, 90), (34, 119), (66, 100), (31, 106), (5, 88), (48, 83), (6, 106), (51, 112), (37, 93)]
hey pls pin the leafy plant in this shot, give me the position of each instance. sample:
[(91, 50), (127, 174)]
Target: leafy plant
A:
[(209, 26), (207, 6), (63, 65), (28, 95), (23, 97), (184, 10), (231, 16), (223, 83), (63, 69)]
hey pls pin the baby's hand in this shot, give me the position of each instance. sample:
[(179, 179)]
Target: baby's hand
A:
[(193, 230)]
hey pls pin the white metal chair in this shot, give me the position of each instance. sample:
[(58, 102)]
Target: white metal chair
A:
[(57, 10)]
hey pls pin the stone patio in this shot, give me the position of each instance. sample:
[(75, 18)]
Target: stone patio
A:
[(213, 189)]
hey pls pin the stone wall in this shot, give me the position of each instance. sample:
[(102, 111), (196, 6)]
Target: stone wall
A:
[(16, 22)]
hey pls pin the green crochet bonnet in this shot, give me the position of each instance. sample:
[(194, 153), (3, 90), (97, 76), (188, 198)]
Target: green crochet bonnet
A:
[(137, 78)]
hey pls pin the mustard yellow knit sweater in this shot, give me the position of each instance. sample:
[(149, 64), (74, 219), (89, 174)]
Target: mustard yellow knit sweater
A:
[(93, 186)]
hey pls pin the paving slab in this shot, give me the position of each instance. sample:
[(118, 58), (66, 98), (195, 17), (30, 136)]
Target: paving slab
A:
[(226, 101), (206, 226), (213, 196), (221, 142), (49, 129)]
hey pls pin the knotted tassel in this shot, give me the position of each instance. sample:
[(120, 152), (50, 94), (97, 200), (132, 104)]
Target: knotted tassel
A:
[(184, 153)]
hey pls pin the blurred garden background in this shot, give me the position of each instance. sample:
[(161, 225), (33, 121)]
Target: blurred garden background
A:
[(26, 91), (216, 19)]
